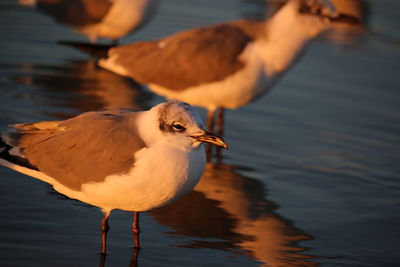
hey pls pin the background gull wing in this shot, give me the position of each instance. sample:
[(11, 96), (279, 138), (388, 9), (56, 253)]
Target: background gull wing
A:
[(188, 58)]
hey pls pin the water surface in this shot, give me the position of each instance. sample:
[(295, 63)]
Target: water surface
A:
[(311, 177)]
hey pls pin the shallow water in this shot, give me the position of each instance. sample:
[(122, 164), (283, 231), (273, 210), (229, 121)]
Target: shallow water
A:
[(311, 177)]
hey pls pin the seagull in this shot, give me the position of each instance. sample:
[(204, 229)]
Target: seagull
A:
[(111, 19), (114, 159), (226, 65)]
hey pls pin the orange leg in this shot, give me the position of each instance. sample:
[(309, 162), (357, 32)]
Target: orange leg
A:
[(136, 229), (210, 128), (220, 121), (210, 120), (104, 229)]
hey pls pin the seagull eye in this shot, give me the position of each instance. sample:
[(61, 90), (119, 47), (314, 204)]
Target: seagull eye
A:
[(178, 127)]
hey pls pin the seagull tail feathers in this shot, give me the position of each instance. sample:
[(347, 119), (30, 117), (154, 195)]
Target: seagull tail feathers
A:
[(3, 146), (8, 159), (96, 50)]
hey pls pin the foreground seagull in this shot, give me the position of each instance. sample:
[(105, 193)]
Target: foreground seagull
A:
[(111, 19), (226, 65), (114, 159)]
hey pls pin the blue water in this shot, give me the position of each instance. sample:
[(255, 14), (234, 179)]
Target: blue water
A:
[(311, 177)]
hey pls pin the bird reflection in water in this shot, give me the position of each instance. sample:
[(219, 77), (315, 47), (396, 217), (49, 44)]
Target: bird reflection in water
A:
[(133, 262), (230, 212), (82, 86)]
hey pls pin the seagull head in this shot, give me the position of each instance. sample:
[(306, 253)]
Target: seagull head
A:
[(182, 127), (320, 15)]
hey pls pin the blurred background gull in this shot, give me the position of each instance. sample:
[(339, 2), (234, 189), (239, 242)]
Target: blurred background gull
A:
[(227, 65), (110, 19)]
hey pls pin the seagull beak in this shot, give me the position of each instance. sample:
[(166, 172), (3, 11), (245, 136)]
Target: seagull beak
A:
[(210, 138), (340, 17)]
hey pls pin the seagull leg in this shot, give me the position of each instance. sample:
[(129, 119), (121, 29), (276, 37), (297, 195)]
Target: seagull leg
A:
[(134, 258), (104, 229), (220, 132), (210, 127), (102, 262), (114, 42), (136, 229), (220, 121), (210, 120)]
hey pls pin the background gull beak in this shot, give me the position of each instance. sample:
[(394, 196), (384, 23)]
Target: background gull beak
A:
[(341, 17), (337, 16), (210, 138)]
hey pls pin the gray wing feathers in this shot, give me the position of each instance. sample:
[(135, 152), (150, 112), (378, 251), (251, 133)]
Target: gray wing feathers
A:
[(83, 149), (37, 132)]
